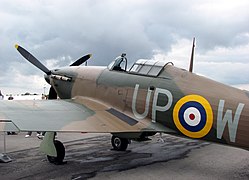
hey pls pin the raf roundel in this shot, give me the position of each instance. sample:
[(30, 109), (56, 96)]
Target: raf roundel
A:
[(193, 116)]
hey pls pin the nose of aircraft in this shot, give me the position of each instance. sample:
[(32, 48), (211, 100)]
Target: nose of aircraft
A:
[(49, 73)]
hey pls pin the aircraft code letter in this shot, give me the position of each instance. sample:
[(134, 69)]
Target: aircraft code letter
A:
[(232, 124), (134, 100), (155, 107)]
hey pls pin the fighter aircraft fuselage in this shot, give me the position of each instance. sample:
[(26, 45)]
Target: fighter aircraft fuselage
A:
[(191, 105)]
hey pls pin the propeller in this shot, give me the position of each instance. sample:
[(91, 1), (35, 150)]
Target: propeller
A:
[(28, 56), (32, 59), (81, 60), (52, 93)]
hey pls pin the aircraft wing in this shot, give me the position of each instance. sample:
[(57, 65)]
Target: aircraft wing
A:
[(74, 115)]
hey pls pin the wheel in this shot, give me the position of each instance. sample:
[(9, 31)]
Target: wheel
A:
[(119, 144), (60, 149)]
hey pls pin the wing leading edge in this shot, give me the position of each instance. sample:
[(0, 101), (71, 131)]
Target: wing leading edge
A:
[(75, 115)]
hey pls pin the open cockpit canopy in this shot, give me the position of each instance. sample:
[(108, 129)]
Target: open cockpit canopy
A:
[(141, 67)]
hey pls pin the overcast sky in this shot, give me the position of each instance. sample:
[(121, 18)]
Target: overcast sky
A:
[(58, 32)]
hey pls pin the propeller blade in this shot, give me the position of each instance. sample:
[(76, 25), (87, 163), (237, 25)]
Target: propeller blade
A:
[(32, 59), (81, 60), (52, 93)]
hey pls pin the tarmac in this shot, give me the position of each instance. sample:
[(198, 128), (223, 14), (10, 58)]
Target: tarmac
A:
[(89, 156)]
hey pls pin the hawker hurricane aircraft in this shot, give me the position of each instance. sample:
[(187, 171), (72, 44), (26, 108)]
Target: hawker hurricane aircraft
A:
[(151, 97)]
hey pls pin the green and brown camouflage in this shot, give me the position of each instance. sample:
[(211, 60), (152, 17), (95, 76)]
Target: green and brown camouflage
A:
[(225, 107), (151, 97)]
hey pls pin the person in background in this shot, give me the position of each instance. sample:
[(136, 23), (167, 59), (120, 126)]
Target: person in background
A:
[(11, 133), (1, 95), (10, 97), (40, 135)]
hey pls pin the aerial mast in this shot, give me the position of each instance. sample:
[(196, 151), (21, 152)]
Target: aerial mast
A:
[(192, 57)]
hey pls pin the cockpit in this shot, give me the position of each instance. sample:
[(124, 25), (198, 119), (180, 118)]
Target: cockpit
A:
[(141, 67)]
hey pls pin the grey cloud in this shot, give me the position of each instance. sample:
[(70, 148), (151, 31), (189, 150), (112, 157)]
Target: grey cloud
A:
[(57, 29)]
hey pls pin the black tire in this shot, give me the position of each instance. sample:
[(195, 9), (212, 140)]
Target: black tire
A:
[(119, 144), (60, 149)]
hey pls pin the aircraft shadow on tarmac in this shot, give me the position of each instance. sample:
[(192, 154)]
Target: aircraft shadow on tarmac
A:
[(86, 157)]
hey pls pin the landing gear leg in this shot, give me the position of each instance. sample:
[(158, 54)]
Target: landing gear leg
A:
[(119, 144), (54, 149), (60, 149)]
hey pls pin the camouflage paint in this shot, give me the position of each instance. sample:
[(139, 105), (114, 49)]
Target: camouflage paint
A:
[(110, 101)]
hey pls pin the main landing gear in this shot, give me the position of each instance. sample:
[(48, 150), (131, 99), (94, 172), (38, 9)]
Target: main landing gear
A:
[(120, 141), (54, 149), (60, 149), (119, 144)]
